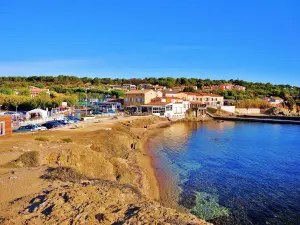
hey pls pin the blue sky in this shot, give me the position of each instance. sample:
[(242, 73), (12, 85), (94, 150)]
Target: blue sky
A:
[(255, 40)]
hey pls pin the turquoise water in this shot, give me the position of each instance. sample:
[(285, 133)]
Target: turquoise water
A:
[(231, 173)]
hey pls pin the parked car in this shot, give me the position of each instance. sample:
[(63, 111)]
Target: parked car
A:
[(97, 113), (52, 124), (23, 129), (12, 113), (30, 127), (70, 121), (75, 119), (40, 127), (63, 122)]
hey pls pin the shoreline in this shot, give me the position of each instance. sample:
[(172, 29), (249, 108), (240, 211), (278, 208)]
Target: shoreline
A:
[(161, 186), (166, 183), (147, 160)]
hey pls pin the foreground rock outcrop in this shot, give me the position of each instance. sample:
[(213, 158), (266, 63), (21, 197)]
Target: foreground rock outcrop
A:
[(96, 202)]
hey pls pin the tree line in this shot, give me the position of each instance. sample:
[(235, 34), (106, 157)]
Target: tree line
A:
[(76, 86)]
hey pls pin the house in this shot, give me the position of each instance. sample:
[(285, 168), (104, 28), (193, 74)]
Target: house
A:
[(223, 87), (114, 87), (170, 93), (203, 98), (129, 86), (276, 100), (194, 87), (181, 88), (119, 100), (273, 100), (210, 88), (177, 89), (5, 126), (170, 107), (145, 86), (34, 91), (239, 88), (108, 107), (158, 87), (136, 98)]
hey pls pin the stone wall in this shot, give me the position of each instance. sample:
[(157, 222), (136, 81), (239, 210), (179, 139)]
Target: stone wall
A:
[(230, 109), (248, 111)]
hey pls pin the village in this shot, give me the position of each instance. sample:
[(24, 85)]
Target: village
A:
[(174, 103)]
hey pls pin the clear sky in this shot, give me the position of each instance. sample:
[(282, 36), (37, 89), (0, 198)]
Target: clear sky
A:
[(254, 40)]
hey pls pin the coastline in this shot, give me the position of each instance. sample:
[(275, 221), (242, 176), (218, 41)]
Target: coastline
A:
[(164, 183), (146, 160)]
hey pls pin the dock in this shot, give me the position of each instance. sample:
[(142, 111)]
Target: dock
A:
[(260, 119)]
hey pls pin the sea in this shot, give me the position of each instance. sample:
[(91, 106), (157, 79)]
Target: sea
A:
[(230, 172)]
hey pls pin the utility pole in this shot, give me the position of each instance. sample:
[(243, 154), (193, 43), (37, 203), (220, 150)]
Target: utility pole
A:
[(16, 108), (86, 101)]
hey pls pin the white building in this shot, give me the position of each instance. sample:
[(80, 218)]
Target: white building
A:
[(273, 100), (35, 91), (170, 107), (169, 93), (129, 86)]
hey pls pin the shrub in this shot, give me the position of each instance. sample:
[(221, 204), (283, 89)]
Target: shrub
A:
[(67, 140), (211, 110), (28, 159), (63, 174), (253, 103), (42, 139)]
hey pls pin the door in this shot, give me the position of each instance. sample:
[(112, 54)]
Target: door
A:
[(2, 128)]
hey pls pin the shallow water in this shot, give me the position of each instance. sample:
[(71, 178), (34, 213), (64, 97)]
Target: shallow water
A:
[(231, 173)]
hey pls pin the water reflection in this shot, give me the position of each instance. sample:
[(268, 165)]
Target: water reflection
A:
[(252, 170)]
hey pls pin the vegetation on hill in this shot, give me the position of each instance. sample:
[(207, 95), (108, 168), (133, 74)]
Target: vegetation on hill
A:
[(72, 89), (65, 84)]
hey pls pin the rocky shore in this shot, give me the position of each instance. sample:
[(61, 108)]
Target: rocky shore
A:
[(95, 173)]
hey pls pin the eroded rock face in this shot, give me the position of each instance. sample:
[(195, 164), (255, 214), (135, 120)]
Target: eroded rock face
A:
[(99, 202), (283, 111)]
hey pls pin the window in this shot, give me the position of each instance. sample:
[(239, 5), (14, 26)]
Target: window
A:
[(2, 128), (139, 100), (160, 110), (126, 99), (169, 108)]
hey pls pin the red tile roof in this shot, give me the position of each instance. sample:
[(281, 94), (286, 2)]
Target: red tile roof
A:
[(138, 91), (201, 94), (158, 103)]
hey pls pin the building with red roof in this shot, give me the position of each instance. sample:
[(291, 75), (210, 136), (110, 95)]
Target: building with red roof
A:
[(203, 98)]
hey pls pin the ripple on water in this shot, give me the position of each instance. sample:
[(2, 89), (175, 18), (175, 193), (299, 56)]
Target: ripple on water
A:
[(233, 173)]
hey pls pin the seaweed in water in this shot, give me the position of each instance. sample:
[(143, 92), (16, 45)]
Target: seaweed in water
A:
[(207, 207)]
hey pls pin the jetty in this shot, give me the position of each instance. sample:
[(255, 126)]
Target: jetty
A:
[(259, 119)]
